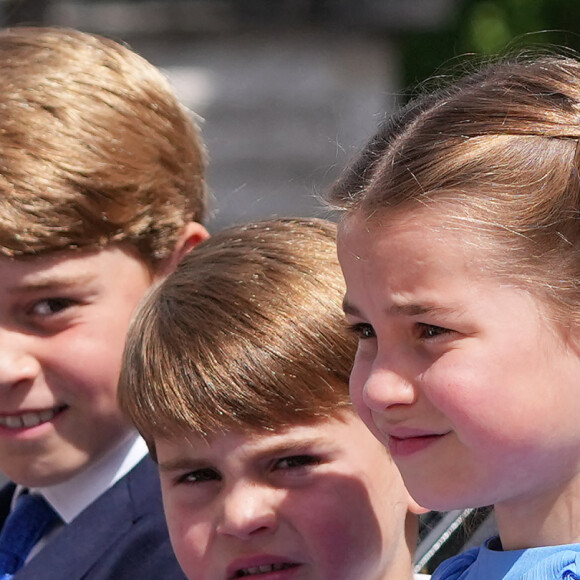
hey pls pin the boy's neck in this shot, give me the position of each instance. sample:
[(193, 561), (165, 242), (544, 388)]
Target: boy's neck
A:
[(71, 497)]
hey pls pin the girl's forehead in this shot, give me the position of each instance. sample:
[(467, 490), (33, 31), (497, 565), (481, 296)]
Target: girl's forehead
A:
[(414, 220)]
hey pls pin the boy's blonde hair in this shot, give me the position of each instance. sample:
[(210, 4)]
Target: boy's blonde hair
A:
[(94, 147), (247, 333)]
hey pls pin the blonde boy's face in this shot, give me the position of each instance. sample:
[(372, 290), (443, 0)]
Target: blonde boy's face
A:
[(63, 320), (321, 501)]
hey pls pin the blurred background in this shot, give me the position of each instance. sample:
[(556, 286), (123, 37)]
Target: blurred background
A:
[(289, 89)]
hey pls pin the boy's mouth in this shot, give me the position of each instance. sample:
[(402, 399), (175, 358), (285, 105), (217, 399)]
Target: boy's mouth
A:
[(30, 419), (266, 569)]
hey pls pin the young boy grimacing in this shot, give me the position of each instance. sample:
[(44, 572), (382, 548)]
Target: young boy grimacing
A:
[(236, 373), (101, 193)]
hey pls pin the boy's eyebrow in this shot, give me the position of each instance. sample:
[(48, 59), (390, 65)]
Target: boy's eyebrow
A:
[(181, 464), (278, 448), (49, 281), (284, 447)]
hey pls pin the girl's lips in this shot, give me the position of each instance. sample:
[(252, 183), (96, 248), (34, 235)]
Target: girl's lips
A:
[(402, 445)]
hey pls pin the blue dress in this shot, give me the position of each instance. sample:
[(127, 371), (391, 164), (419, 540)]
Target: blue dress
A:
[(484, 563)]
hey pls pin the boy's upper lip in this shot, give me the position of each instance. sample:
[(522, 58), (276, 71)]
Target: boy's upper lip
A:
[(255, 561)]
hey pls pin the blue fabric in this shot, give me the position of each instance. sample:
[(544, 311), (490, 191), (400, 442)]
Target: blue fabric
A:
[(122, 535), (31, 519), (545, 563)]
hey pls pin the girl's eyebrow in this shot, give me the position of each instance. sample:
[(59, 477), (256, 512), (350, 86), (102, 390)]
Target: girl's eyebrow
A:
[(402, 309), (419, 309), (349, 308)]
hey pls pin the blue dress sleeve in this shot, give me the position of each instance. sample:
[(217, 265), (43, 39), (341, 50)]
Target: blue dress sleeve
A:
[(454, 568), (547, 563)]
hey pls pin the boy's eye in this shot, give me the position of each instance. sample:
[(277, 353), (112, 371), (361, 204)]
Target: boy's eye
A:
[(51, 306), (428, 331), (200, 476), (297, 461), (362, 330)]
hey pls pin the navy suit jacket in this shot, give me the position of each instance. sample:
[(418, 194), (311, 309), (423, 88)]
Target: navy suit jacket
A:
[(121, 536)]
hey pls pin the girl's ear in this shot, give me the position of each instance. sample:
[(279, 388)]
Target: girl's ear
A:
[(192, 234)]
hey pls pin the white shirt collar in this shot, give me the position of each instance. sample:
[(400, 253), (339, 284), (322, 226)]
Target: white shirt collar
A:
[(71, 497)]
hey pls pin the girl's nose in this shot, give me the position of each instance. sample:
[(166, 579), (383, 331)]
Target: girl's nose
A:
[(385, 388), (18, 365), (248, 509)]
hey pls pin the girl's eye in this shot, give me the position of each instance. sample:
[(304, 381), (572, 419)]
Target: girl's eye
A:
[(362, 330), (51, 306), (297, 461), (428, 331), (200, 476)]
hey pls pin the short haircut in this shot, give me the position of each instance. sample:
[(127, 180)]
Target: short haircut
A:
[(94, 147), (247, 333)]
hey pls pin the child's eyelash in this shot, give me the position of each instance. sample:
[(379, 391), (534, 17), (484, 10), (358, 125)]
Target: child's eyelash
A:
[(429, 331), (49, 306), (297, 461), (199, 476), (362, 330)]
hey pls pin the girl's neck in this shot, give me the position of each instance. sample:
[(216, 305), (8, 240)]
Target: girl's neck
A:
[(550, 520)]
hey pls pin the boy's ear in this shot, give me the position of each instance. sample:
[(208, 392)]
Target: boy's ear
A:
[(192, 234)]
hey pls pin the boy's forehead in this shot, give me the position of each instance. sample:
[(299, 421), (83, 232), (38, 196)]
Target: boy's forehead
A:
[(255, 441), (57, 269), (46, 269)]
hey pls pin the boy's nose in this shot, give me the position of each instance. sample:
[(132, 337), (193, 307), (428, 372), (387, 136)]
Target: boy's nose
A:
[(17, 364), (248, 509)]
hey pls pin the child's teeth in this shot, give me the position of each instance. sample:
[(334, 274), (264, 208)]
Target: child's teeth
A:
[(262, 569), (31, 419), (12, 422), (46, 415), (27, 419)]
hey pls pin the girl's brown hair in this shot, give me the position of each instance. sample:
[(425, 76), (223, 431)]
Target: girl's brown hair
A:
[(499, 153)]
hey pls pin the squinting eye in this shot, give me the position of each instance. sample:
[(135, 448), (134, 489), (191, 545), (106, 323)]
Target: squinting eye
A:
[(51, 306), (200, 476), (297, 461), (362, 330), (431, 331)]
